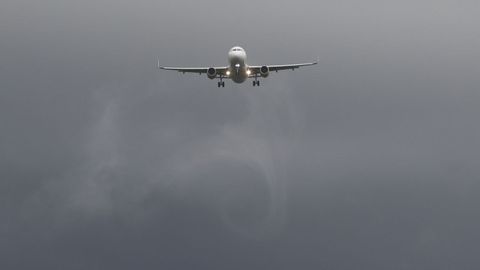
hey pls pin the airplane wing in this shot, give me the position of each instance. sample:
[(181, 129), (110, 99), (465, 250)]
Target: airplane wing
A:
[(198, 70), (220, 71), (256, 70)]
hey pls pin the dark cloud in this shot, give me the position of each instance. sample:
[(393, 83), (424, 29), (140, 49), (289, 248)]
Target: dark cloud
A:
[(368, 160)]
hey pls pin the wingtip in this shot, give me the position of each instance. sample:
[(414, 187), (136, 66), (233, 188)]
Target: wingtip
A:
[(158, 65)]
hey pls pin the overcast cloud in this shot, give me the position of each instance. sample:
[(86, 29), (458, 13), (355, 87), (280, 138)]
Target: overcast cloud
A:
[(369, 160)]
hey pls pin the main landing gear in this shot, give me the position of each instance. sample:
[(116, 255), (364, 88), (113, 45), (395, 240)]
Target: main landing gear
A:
[(256, 82), (221, 83)]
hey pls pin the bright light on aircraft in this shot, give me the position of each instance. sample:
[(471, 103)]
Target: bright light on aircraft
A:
[(241, 71)]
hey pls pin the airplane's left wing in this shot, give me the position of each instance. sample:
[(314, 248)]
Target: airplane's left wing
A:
[(257, 70)]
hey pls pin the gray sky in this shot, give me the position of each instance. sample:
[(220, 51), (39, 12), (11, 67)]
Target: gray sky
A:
[(369, 160)]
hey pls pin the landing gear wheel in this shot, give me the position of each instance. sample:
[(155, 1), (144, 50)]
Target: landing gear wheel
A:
[(258, 83), (219, 84), (254, 83)]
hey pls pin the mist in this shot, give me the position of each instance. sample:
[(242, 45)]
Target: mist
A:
[(367, 160)]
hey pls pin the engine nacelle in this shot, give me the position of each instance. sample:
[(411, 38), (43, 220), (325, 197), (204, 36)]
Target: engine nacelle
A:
[(264, 71), (212, 73)]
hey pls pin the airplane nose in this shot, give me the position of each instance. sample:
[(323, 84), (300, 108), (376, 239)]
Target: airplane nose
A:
[(236, 56)]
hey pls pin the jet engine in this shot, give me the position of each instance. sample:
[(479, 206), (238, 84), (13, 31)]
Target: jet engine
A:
[(264, 71), (212, 73)]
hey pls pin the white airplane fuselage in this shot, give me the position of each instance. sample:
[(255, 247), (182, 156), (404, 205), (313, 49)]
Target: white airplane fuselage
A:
[(238, 68)]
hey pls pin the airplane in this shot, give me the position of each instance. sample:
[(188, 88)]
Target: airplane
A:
[(237, 70)]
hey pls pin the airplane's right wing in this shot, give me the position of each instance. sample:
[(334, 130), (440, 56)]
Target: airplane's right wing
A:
[(198, 70), (214, 72)]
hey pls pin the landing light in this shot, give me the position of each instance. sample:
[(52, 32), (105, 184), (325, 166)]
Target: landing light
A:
[(248, 72), (228, 73)]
